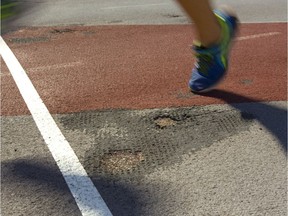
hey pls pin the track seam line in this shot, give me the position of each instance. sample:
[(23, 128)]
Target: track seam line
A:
[(86, 195), (249, 37)]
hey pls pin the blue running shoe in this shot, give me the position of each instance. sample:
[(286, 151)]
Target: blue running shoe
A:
[(212, 63)]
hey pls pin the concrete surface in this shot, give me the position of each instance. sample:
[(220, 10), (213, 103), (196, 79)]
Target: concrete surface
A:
[(185, 169), (62, 12)]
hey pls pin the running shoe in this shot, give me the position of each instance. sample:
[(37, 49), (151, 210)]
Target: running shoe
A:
[(212, 63)]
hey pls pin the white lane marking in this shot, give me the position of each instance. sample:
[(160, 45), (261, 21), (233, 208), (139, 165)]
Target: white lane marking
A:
[(87, 197), (131, 6), (257, 36)]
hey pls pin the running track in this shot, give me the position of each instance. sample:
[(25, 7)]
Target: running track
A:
[(134, 67)]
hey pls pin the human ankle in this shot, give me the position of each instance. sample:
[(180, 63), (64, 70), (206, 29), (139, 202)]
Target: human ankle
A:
[(211, 41), (210, 37)]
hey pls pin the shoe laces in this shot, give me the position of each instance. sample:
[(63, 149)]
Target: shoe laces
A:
[(203, 62)]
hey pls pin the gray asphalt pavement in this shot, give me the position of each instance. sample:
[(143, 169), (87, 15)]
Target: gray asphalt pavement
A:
[(215, 160), (62, 12)]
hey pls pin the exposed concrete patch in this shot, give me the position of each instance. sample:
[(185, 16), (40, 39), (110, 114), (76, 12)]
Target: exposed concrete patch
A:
[(120, 161), (131, 143), (163, 122)]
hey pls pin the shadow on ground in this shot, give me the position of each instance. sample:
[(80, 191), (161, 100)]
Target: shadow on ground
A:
[(35, 179), (274, 119), (17, 10)]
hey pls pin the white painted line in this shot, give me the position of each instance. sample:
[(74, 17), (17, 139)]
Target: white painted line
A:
[(86, 195), (131, 6), (249, 37)]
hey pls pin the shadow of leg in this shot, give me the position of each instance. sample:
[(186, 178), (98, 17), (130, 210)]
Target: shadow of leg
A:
[(271, 117)]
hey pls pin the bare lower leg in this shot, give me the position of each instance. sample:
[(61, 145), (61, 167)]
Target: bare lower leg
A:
[(201, 13)]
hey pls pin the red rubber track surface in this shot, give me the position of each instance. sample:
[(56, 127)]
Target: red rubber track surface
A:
[(136, 67)]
